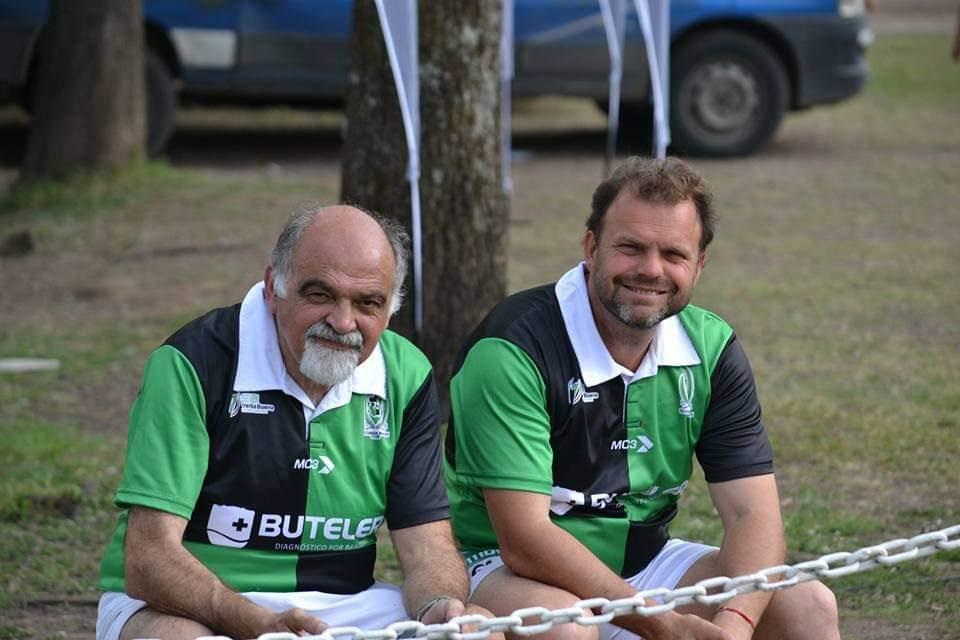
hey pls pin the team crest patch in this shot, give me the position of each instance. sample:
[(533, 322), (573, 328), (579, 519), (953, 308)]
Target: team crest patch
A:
[(375, 423)]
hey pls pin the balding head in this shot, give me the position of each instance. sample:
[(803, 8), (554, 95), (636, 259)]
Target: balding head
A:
[(354, 230)]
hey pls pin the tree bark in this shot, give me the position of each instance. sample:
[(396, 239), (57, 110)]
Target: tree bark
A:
[(88, 102), (464, 210)]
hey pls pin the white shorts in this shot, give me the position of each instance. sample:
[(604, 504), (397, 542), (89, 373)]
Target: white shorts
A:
[(664, 571), (374, 608)]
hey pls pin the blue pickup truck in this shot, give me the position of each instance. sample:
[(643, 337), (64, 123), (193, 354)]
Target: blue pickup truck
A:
[(736, 65)]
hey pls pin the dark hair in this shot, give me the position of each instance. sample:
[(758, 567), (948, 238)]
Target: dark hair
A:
[(667, 181)]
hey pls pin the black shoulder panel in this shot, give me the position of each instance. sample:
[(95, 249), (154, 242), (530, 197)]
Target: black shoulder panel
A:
[(211, 343)]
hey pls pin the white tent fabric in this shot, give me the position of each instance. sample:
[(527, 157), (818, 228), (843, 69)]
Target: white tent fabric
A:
[(614, 14), (398, 21), (657, 41), (654, 18), (506, 81)]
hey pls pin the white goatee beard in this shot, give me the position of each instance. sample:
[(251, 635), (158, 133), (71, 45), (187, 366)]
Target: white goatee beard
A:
[(327, 366)]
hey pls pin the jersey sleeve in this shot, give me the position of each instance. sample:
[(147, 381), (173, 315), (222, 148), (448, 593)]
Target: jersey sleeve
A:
[(733, 443), (415, 490), (167, 444), (502, 429)]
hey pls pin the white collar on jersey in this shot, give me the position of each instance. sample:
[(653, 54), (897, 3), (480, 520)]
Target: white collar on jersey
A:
[(671, 346), (260, 365)]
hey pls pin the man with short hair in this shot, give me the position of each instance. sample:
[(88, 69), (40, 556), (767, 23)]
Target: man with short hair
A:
[(269, 442), (577, 409)]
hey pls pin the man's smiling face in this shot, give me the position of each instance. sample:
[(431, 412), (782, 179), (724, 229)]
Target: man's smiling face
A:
[(644, 262)]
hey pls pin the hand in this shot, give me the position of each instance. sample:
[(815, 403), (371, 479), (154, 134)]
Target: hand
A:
[(473, 609), (295, 621), (443, 611), (446, 610)]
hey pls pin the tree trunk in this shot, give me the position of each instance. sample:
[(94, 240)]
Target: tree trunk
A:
[(88, 101), (464, 210)]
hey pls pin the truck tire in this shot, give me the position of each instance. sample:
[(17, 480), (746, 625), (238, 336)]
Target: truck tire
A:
[(729, 91), (161, 99)]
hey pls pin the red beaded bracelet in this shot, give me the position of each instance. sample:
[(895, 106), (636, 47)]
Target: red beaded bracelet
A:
[(749, 620)]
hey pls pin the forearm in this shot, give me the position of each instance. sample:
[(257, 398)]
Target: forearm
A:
[(432, 566), (160, 571), (555, 557), (754, 541), (173, 581)]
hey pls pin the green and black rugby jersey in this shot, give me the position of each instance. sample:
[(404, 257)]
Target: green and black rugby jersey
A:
[(279, 495), (539, 405)]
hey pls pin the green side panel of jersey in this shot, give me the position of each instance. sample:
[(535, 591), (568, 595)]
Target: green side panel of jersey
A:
[(167, 449), (508, 443), (664, 415), (605, 537)]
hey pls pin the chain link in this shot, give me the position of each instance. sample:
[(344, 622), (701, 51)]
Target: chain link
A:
[(712, 591)]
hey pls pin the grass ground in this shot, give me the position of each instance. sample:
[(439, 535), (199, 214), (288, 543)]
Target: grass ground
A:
[(835, 260)]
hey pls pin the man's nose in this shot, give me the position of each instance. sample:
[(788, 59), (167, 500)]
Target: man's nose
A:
[(649, 265), (342, 318)]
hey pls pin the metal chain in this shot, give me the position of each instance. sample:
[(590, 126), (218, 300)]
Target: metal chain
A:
[(711, 591)]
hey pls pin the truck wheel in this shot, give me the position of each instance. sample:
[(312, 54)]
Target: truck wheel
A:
[(728, 94), (161, 100)]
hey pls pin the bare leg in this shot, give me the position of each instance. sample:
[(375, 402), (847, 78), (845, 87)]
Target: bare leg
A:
[(503, 592), (150, 623)]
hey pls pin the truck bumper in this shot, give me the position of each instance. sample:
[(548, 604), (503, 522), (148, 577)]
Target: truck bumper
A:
[(829, 54)]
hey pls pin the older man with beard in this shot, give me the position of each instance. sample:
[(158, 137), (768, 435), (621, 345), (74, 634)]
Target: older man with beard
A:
[(577, 410), (269, 442)]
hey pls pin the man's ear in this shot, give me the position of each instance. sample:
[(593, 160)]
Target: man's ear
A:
[(701, 263), (269, 292), (591, 244)]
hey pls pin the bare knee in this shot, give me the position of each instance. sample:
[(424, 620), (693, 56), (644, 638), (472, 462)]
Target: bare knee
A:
[(808, 610), (816, 602)]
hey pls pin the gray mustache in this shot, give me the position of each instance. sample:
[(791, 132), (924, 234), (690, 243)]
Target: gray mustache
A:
[(323, 330)]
